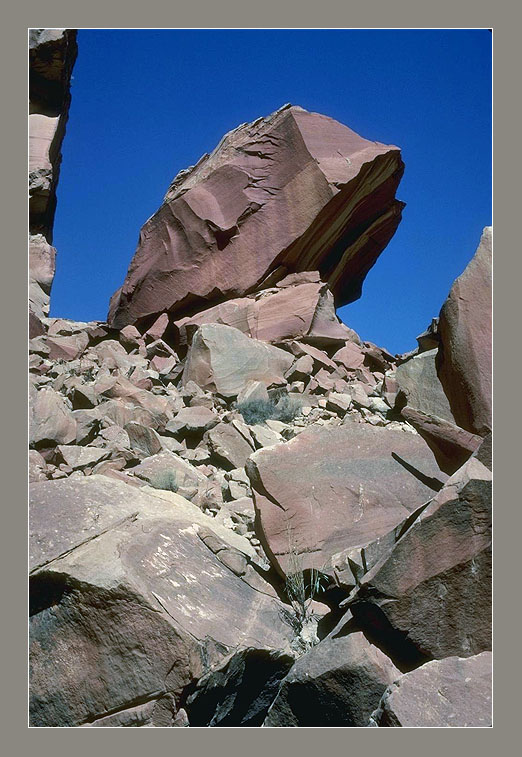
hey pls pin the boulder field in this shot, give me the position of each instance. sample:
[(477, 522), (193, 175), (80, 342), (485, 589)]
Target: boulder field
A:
[(241, 513)]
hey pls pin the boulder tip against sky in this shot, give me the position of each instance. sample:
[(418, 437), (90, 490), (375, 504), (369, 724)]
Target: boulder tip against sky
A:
[(295, 191)]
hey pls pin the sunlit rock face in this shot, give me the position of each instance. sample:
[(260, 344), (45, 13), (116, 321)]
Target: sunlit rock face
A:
[(295, 191), (52, 53)]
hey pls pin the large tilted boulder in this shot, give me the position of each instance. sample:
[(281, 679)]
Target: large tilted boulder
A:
[(303, 311), (135, 596), (52, 53), (449, 693), (464, 358), (336, 683), (431, 592), (333, 488), (223, 360), (295, 191)]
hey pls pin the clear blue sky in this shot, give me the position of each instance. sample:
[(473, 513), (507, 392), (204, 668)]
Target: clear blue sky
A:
[(146, 104)]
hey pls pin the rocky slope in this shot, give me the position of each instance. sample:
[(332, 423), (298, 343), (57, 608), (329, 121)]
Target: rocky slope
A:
[(241, 513)]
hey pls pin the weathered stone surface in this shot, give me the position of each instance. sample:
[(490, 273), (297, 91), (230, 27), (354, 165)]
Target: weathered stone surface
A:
[(433, 589), (332, 488), (128, 604), (168, 471), (253, 390), (239, 691), (350, 356), (37, 467), (320, 197), (193, 421), (229, 446), (337, 683), (429, 339), (143, 440), (418, 381), (304, 312), (42, 265), (130, 338), (223, 360), (78, 458), (450, 444), (52, 53), (464, 358), (67, 347), (50, 420), (449, 693)]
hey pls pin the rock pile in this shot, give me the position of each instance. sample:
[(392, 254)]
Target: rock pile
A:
[(242, 514)]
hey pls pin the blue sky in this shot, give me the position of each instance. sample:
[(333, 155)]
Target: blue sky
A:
[(147, 103)]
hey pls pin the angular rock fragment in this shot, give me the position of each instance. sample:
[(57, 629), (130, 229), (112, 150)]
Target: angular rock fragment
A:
[(223, 360), (418, 381), (78, 458), (464, 358), (332, 488), (51, 421), (320, 196), (337, 683), (304, 312), (433, 588), (449, 693), (229, 446)]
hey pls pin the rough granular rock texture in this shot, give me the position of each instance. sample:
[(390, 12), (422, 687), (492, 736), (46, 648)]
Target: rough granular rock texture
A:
[(319, 196)]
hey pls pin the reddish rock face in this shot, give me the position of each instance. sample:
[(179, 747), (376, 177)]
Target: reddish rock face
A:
[(334, 488), (295, 191), (305, 311), (464, 359)]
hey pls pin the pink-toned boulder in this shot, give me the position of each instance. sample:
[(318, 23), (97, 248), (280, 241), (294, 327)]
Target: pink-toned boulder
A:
[(331, 488), (51, 421), (305, 312), (350, 356), (319, 196), (450, 693), (464, 359), (223, 360)]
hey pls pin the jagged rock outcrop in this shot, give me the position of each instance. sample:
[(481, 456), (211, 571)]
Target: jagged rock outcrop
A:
[(319, 196), (464, 358), (52, 53)]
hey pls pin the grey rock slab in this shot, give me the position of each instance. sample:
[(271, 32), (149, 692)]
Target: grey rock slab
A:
[(223, 360)]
